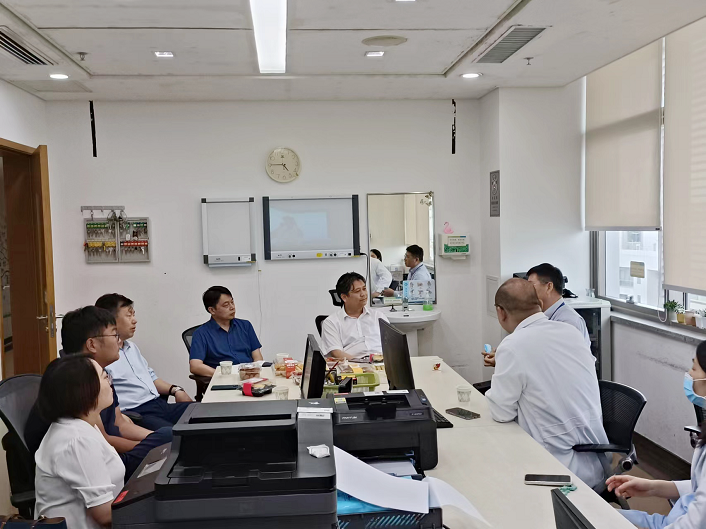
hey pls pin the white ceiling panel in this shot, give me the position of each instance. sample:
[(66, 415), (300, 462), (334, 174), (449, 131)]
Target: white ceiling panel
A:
[(388, 14), (342, 52), (134, 13), (131, 51)]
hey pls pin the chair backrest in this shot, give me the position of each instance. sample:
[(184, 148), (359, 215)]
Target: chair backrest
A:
[(337, 301), (699, 414), (622, 406), (17, 396), (319, 322), (394, 284), (187, 335)]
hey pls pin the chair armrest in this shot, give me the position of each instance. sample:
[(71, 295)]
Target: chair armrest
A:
[(600, 449), (21, 498), (201, 379), (692, 429), (132, 415)]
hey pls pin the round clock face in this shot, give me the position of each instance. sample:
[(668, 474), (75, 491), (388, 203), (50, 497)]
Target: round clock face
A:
[(283, 165)]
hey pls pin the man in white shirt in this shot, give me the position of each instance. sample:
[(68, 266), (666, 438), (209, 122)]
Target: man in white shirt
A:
[(135, 382), (380, 276), (353, 332), (413, 259), (548, 281), (549, 388)]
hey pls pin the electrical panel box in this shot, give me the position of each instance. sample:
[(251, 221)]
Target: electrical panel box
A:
[(115, 240), (454, 246)]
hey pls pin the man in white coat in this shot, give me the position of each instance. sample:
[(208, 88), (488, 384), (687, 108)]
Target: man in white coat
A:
[(551, 389)]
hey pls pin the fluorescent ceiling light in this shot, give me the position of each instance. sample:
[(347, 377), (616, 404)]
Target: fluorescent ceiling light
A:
[(269, 20), (471, 75), (374, 53), (58, 76), (405, 0), (164, 54)]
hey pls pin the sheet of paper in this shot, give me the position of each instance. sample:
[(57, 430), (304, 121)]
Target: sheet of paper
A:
[(368, 484), (442, 494), (398, 468)]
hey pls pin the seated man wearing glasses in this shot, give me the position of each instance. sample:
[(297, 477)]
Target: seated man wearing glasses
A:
[(224, 337), (138, 387), (92, 330)]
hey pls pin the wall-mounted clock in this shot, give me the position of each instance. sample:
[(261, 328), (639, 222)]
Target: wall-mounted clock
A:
[(283, 165)]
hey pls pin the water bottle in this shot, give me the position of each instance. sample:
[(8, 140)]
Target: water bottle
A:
[(428, 305)]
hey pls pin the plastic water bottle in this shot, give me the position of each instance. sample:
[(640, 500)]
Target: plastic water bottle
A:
[(427, 301)]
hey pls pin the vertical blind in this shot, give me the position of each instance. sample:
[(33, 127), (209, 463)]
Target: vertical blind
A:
[(685, 160), (623, 142)]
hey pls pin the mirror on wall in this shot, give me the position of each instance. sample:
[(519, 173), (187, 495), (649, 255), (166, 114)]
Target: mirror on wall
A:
[(397, 221)]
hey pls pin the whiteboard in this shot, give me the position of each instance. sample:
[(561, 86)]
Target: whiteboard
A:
[(228, 231), (310, 228)]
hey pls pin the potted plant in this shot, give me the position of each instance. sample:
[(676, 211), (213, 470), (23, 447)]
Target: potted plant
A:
[(672, 308)]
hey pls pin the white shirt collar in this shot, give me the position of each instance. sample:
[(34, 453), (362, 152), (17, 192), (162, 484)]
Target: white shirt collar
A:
[(345, 315), (529, 321), (555, 307)]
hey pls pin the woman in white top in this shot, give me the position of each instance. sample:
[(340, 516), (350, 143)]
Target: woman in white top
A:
[(690, 510), (380, 276), (78, 473)]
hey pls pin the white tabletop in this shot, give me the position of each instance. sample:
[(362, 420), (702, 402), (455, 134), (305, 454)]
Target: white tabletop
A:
[(484, 460)]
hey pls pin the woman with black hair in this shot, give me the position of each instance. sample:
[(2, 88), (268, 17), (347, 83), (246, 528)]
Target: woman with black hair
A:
[(78, 473), (690, 510)]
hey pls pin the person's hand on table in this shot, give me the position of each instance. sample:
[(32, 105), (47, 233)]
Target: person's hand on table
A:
[(630, 486), (489, 359), (388, 293)]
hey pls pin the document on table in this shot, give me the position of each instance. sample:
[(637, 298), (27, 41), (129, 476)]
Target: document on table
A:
[(442, 494), (397, 468), (370, 485)]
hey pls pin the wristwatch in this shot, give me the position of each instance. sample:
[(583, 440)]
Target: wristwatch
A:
[(174, 390)]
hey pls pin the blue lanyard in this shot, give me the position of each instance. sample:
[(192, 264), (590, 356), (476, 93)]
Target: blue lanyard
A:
[(557, 310)]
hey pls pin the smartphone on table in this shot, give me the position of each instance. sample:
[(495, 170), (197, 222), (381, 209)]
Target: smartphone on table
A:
[(463, 413), (548, 480)]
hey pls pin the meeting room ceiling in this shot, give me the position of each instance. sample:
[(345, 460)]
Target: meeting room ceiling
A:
[(215, 56)]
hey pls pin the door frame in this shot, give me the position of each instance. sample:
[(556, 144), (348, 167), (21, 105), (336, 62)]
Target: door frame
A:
[(39, 184)]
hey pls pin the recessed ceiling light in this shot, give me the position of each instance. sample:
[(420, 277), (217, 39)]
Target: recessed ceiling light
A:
[(374, 53), (405, 0), (471, 75), (269, 20), (164, 54), (58, 76)]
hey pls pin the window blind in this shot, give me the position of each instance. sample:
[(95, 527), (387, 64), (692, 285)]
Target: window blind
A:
[(623, 142), (685, 160)]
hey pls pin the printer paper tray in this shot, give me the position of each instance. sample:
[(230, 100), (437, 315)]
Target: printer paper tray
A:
[(392, 520)]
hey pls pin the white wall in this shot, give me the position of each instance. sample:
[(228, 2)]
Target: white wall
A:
[(159, 159), (540, 152), (22, 116), (655, 365)]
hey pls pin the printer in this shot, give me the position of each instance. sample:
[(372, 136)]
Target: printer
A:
[(242, 465), (388, 425)]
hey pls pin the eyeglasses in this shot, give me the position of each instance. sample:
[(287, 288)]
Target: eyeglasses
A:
[(116, 336)]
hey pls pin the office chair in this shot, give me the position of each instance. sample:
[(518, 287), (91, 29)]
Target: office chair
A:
[(337, 301), (621, 406), (202, 382), (319, 322), (17, 396), (695, 431), (394, 284)]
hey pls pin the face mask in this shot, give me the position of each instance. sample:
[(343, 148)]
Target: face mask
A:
[(698, 400)]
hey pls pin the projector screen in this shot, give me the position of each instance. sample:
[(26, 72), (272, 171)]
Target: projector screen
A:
[(310, 228)]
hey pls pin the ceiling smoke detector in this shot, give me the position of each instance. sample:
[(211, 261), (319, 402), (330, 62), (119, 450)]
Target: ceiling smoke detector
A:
[(384, 40)]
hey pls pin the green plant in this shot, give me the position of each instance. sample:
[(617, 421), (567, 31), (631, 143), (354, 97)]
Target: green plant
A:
[(673, 306)]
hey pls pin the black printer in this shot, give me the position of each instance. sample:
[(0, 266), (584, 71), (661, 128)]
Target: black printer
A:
[(243, 464), (391, 424)]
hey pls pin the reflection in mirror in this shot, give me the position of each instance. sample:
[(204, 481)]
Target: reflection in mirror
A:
[(397, 222)]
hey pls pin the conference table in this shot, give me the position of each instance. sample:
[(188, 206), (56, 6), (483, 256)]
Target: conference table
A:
[(484, 460)]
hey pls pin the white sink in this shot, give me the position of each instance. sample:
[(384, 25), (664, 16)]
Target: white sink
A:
[(411, 321)]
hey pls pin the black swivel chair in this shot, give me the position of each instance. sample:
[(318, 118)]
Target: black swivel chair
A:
[(335, 298), (621, 406), (17, 396), (202, 382), (695, 431), (319, 322)]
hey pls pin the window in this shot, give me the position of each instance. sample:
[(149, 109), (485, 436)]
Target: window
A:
[(628, 256), (696, 302)]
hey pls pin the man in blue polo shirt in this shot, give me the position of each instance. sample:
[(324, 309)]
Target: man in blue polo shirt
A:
[(224, 337)]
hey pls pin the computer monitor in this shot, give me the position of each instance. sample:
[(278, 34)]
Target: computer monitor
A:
[(312, 384), (395, 352), (566, 515)]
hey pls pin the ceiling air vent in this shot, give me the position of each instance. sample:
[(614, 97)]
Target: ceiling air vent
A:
[(15, 46), (508, 44)]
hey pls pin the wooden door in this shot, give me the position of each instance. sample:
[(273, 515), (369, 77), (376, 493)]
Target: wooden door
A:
[(28, 219)]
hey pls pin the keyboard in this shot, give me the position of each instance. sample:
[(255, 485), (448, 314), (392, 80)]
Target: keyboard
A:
[(441, 421)]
